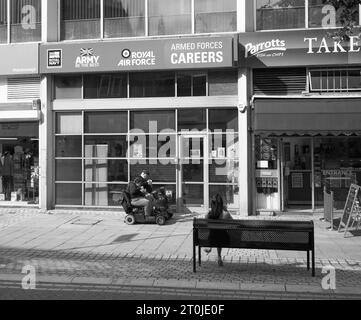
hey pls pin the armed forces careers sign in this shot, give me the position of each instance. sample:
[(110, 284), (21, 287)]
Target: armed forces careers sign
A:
[(191, 53)]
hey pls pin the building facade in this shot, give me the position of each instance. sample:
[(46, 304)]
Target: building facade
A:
[(242, 98)]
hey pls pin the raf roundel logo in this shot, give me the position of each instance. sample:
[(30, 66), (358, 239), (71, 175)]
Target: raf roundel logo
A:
[(126, 53)]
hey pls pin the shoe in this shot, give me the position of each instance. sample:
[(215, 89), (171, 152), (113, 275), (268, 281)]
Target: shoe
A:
[(207, 250)]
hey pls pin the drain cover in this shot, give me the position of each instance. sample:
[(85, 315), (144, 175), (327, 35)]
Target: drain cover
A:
[(86, 222)]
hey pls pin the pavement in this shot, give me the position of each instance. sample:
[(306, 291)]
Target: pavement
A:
[(95, 255)]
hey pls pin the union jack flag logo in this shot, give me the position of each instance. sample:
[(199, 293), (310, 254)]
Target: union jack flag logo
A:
[(86, 52)]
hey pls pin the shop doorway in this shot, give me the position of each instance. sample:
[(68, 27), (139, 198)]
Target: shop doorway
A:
[(193, 172), (297, 174), (19, 164)]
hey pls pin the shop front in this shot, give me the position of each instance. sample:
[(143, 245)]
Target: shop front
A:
[(169, 106), (19, 149), (19, 125), (303, 145), (305, 102)]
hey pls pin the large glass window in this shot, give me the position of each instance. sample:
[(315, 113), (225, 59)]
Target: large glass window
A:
[(276, 14), (68, 87), (106, 122), (80, 19), (191, 84), (335, 80), (222, 83), (96, 153), (170, 17), (124, 18), (152, 121), (215, 16), (322, 14), (150, 84), (3, 21), (105, 86), (25, 20)]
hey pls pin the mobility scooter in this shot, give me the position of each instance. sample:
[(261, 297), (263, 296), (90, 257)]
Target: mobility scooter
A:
[(161, 212)]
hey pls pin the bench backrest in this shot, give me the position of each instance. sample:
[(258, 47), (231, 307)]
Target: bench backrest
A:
[(254, 233)]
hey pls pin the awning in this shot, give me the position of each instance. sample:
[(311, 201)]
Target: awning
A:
[(16, 116), (307, 116)]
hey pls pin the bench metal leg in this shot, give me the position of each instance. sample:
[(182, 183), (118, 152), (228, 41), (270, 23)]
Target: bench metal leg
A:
[(194, 258), (199, 255), (313, 262), (308, 260)]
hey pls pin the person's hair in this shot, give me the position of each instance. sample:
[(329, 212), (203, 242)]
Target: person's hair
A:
[(138, 180), (216, 207)]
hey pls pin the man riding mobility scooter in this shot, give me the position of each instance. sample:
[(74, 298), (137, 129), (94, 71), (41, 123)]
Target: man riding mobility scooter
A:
[(160, 212)]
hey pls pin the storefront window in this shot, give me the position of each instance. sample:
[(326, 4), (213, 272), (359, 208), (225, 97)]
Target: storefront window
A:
[(215, 16), (69, 123), (152, 146), (223, 146), (80, 19), (68, 170), (337, 166), (104, 170), (223, 83), (194, 119), (105, 86), (267, 175), (191, 84), (105, 146), (102, 194), (161, 84), (106, 122), (68, 194), (3, 21), (96, 151), (159, 172), (275, 14), (174, 17), (25, 20), (68, 87), (225, 120), (19, 162), (152, 121), (68, 146), (124, 18)]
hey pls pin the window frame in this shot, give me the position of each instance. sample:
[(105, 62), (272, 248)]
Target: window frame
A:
[(146, 26), (9, 24), (326, 90), (306, 26)]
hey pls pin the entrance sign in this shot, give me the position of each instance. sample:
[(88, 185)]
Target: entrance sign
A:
[(351, 212), (103, 56)]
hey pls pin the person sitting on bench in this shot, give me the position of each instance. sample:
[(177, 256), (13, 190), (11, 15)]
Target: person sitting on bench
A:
[(218, 212), (137, 194)]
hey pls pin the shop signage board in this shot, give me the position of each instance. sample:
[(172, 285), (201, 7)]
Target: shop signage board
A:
[(297, 48), (351, 212), (18, 59), (164, 54)]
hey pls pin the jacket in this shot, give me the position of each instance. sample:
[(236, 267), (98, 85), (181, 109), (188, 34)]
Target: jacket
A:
[(134, 191)]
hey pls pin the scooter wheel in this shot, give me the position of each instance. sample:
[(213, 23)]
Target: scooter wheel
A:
[(160, 220), (129, 220)]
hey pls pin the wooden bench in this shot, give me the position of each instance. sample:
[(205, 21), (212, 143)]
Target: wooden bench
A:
[(254, 234)]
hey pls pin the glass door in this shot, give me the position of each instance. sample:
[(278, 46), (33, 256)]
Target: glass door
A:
[(193, 172)]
